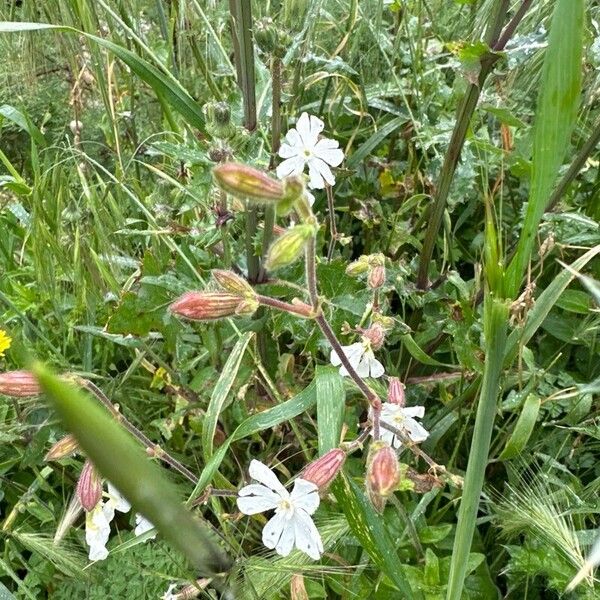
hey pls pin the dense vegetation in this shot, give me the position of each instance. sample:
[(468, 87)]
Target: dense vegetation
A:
[(456, 251)]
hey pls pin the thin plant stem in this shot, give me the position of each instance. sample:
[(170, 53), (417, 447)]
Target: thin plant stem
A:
[(332, 224), (283, 306), (465, 113), (150, 446), (276, 66), (495, 325)]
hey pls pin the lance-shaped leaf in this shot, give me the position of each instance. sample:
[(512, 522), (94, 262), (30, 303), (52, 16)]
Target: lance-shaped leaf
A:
[(121, 460)]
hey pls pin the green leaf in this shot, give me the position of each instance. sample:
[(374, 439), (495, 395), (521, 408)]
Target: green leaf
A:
[(369, 528), (523, 429), (123, 462), (165, 86), (220, 393), (331, 404), (24, 122), (264, 420), (555, 117), (375, 140)]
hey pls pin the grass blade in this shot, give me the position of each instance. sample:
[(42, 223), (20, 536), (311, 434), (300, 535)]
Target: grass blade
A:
[(220, 393), (331, 399), (523, 428), (555, 118)]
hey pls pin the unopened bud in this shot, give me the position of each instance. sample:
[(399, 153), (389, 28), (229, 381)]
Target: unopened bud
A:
[(232, 283), (376, 260), (206, 306), (358, 267), (248, 183), (396, 392), (19, 384), (376, 277), (89, 486), (383, 474), (376, 335), (66, 446), (218, 113), (386, 322), (293, 197), (289, 247), (297, 587), (324, 470), (247, 307)]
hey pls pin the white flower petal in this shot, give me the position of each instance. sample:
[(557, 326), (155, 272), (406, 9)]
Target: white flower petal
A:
[(255, 498), (316, 127), (353, 352), (315, 179), (310, 197), (305, 496), (303, 128), (142, 525), (169, 595), (117, 499), (293, 139), (97, 531), (415, 430), (272, 531), (364, 366), (376, 368), (307, 536), (261, 473), (287, 539), (389, 438), (287, 150), (328, 151), (324, 172), (414, 411), (291, 166)]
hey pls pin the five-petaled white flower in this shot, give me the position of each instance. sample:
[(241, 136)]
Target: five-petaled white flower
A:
[(291, 525), (97, 522), (142, 525), (304, 148), (360, 356), (403, 419)]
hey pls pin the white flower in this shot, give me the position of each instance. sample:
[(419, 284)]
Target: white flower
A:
[(291, 525), (169, 595), (142, 525), (97, 522), (304, 148), (361, 357), (402, 418)]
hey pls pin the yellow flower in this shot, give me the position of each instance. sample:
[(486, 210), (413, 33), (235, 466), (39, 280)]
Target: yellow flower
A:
[(5, 341)]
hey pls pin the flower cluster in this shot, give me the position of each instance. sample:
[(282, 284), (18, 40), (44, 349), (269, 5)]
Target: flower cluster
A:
[(98, 519)]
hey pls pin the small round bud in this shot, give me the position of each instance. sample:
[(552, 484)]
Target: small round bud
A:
[(75, 126), (232, 283), (358, 267), (376, 335), (288, 247), (376, 260), (247, 182), (324, 470), (376, 277), (19, 384), (66, 446), (207, 306), (396, 392), (89, 487), (383, 474)]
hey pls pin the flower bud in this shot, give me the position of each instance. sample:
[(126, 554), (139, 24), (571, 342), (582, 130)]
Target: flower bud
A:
[(376, 260), (248, 306), (396, 392), (324, 470), (248, 183), (232, 283), (218, 113), (297, 587), (66, 446), (89, 487), (358, 267), (376, 277), (386, 322), (289, 246), (376, 335), (383, 474), (293, 197), (19, 384), (206, 306)]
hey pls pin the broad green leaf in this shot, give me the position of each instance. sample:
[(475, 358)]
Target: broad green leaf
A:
[(331, 404), (264, 420), (123, 462), (418, 353), (24, 122), (220, 393), (555, 117), (162, 82), (523, 428), (369, 528)]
